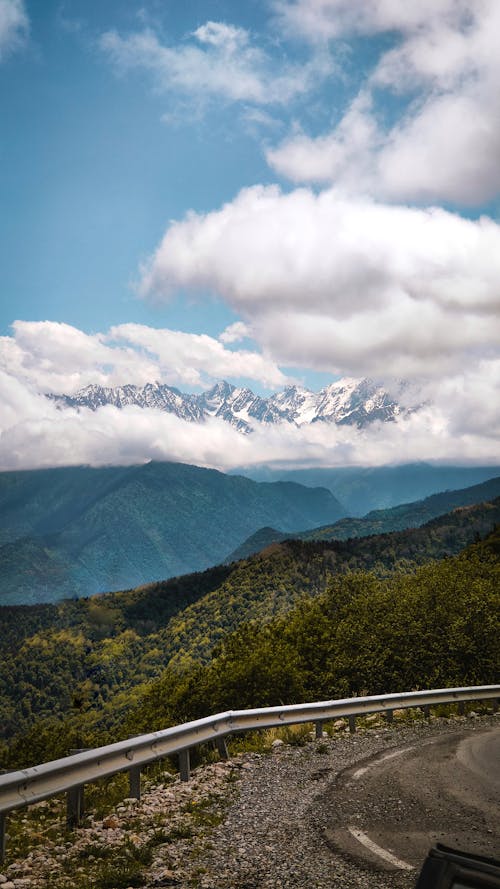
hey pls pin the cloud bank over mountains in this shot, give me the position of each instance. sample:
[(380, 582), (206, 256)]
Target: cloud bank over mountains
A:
[(459, 422)]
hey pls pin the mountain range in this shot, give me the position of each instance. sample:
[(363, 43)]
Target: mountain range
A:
[(346, 402), (75, 531), (362, 489)]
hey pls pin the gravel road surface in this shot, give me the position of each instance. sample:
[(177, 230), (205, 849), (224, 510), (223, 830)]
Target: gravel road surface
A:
[(283, 829)]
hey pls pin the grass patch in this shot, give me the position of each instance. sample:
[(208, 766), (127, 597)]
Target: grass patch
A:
[(97, 851), (118, 876), (206, 812), (296, 735)]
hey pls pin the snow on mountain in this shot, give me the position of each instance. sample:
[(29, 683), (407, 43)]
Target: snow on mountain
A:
[(347, 401), (355, 402), (153, 395)]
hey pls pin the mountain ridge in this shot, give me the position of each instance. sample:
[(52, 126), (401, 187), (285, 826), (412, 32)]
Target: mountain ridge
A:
[(362, 489), (381, 521), (346, 402)]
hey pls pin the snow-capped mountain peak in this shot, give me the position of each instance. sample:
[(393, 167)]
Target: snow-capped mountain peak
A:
[(346, 401)]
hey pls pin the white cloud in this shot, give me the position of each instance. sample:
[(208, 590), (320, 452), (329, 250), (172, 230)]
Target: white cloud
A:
[(235, 333), (341, 284), (55, 357), (14, 25), (202, 355), (347, 154), (219, 61), (447, 143), (330, 19)]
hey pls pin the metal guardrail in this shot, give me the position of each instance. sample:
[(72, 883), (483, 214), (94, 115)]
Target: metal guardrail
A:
[(27, 786)]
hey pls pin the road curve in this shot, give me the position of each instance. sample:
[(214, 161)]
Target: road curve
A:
[(386, 812)]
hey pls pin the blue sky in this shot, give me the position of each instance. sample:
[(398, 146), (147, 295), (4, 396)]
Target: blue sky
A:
[(93, 170), (274, 191), (91, 173)]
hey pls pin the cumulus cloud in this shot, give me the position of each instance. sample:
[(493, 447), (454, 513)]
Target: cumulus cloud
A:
[(446, 145), (343, 284), (55, 357), (14, 25), (219, 61)]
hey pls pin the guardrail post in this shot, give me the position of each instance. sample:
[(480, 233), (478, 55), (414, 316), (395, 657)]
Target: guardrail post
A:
[(494, 705), (352, 724), (461, 708), (3, 824), (75, 805), (389, 715), (184, 765), (134, 776), (319, 729), (426, 710), (221, 745)]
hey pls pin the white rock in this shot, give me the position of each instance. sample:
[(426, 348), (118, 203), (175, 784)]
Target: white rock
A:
[(278, 743)]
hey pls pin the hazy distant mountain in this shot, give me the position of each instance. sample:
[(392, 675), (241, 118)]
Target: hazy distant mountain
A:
[(348, 401), (76, 531), (381, 521), (364, 488)]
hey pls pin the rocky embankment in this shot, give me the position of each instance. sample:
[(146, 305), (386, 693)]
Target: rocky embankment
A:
[(256, 821)]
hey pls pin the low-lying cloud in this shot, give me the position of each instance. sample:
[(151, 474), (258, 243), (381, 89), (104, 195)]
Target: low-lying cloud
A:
[(457, 422), (35, 433)]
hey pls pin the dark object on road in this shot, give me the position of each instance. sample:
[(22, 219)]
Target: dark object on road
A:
[(446, 868)]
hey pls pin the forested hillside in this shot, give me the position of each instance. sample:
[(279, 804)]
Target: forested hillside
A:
[(77, 531), (435, 627), (90, 662)]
